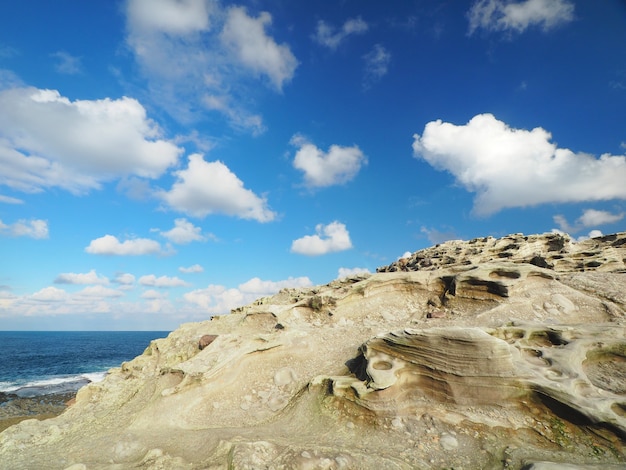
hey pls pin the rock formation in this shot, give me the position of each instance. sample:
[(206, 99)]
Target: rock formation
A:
[(491, 353)]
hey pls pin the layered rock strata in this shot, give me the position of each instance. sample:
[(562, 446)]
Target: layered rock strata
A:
[(494, 353)]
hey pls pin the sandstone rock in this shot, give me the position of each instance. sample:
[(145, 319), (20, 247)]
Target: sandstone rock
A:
[(492, 353)]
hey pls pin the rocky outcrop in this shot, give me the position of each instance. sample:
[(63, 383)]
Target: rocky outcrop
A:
[(492, 353), (553, 251)]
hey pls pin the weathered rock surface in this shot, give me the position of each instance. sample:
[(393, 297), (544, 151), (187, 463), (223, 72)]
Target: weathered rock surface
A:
[(492, 353)]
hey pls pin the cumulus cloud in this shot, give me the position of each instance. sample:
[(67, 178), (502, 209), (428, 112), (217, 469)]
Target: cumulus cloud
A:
[(184, 232), (346, 272), (124, 279), (47, 140), (111, 245), (329, 36), (66, 63), (216, 299), (163, 281), (376, 65), (337, 166), (589, 218), (245, 36), (167, 16), (511, 16), (81, 278), (327, 239), (196, 268), (210, 187), (50, 294), (194, 54), (34, 228), (510, 167)]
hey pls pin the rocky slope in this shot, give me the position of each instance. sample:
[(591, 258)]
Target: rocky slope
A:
[(492, 353)]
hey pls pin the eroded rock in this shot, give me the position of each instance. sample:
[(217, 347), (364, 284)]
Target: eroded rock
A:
[(491, 353)]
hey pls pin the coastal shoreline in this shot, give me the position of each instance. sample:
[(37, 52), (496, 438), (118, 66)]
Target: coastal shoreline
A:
[(14, 409)]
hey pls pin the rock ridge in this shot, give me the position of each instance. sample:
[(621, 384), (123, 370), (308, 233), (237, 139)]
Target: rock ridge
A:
[(491, 353)]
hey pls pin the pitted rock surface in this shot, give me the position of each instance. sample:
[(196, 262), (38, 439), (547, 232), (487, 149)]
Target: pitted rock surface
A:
[(492, 353)]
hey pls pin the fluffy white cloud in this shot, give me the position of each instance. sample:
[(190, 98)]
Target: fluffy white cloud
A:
[(339, 165), (507, 15), (216, 299), (376, 64), (345, 272), (194, 53), (184, 232), (328, 36), (50, 294), (509, 167), (210, 187), (196, 268), (246, 37), (328, 238), (111, 245), (46, 140), (163, 281), (81, 278), (261, 288), (589, 218), (172, 17), (34, 228)]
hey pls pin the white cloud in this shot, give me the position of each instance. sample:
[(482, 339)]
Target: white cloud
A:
[(172, 17), (339, 165), (163, 281), (152, 294), (98, 292), (509, 167), (326, 35), (506, 15), (46, 140), (328, 238), (124, 279), (593, 217), (376, 64), (184, 232), (262, 288), (216, 299), (196, 268), (589, 218), (10, 200), (210, 187), (50, 294), (246, 37), (111, 245), (67, 64), (34, 228), (81, 278), (194, 54), (345, 272)]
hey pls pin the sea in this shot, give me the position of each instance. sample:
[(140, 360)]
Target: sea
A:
[(37, 363)]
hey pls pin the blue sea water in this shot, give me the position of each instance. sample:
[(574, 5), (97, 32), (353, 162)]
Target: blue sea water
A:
[(34, 363)]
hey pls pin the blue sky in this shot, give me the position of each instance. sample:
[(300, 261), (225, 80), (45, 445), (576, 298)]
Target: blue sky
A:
[(163, 161)]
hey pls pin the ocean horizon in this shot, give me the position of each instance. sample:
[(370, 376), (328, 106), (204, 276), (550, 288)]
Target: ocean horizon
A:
[(38, 363)]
